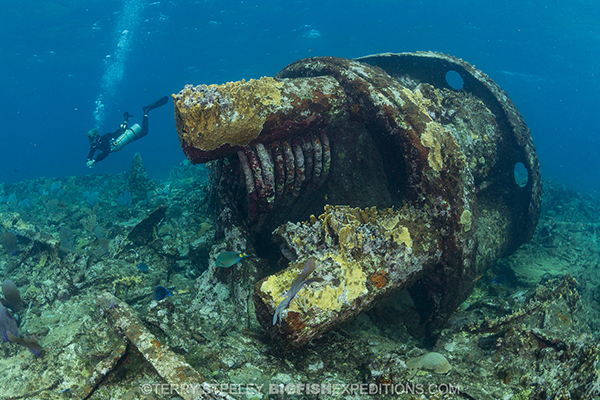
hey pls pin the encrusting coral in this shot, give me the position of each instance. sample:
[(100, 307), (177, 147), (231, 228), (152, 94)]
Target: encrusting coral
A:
[(359, 255)]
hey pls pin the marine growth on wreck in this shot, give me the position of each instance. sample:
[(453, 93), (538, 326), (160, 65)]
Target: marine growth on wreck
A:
[(329, 131)]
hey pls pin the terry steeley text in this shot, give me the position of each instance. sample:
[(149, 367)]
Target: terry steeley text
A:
[(308, 388)]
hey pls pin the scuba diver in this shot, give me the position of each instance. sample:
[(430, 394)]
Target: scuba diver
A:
[(115, 141)]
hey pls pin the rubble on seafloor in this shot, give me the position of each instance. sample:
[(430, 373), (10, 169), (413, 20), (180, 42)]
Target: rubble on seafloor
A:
[(528, 331)]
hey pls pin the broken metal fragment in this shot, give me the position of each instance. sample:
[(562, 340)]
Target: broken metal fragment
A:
[(181, 377), (145, 231), (360, 256)]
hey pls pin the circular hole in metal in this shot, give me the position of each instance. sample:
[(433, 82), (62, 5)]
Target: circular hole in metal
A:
[(521, 174), (454, 80)]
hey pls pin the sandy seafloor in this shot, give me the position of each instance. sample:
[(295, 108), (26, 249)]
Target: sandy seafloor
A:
[(529, 330)]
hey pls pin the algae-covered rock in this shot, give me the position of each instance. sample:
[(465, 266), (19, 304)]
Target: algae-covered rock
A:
[(432, 361)]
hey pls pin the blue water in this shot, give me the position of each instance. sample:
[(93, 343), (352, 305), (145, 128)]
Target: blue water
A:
[(68, 66)]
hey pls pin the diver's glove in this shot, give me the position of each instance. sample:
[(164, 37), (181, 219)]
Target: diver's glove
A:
[(90, 163)]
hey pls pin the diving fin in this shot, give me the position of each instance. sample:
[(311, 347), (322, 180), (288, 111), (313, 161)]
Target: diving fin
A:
[(158, 103)]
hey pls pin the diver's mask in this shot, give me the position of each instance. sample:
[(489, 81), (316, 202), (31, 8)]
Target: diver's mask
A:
[(94, 136)]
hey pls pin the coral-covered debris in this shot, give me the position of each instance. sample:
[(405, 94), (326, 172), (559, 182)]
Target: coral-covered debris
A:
[(145, 231), (359, 256), (178, 373)]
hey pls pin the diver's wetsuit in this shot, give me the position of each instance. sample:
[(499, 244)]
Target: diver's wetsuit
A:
[(103, 146), (116, 140)]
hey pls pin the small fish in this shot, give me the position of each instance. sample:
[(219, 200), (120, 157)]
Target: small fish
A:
[(228, 258), (142, 267), (161, 293), (299, 283), (499, 280)]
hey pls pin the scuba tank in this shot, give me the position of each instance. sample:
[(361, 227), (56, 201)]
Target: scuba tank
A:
[(129, 135)]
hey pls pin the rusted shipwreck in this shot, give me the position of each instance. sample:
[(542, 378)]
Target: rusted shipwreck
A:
[(378, 170)]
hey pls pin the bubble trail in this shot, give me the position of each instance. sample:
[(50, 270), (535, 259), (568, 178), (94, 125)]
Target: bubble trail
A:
[(114, 64)]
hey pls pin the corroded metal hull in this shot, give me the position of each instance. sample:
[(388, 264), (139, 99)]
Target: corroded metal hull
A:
[(384, 131)]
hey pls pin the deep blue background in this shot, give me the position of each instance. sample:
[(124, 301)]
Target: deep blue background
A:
[(53, 56)]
